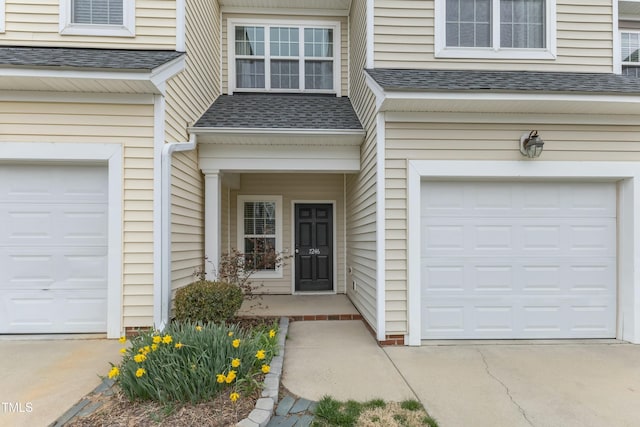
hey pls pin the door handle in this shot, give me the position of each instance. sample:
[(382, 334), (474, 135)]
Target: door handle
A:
[(297, 251)]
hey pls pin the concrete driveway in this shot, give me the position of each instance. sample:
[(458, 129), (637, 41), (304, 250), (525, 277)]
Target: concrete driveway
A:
[(41, 378), (543, 385)]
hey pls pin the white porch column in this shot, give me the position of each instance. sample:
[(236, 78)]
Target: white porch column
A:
[(212, 221)]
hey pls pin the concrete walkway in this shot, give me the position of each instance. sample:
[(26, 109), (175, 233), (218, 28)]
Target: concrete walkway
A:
[(41, 379), (562, 384)]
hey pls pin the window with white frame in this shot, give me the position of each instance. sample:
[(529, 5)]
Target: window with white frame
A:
[(630, 47), (495, 28), (284, 57), (260, 233), (97, 17)]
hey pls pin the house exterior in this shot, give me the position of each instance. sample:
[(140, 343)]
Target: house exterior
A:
[(373, 143)]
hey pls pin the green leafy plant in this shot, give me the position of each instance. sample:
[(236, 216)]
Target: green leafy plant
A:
[(205, 301), (191, 362)]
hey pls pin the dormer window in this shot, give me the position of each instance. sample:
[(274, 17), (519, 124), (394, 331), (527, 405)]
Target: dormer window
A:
[(97, 17), (514, 29), (282, 57)]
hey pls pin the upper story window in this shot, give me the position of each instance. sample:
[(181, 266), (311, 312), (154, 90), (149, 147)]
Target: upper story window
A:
[(283, 57), (97, 17), (501, 29)]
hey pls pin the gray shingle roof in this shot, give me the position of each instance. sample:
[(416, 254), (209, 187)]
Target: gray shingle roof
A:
[(285, 111), (503, 81), (62, 57)]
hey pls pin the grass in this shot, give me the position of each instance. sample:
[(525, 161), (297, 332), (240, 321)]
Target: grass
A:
[(376, 412)]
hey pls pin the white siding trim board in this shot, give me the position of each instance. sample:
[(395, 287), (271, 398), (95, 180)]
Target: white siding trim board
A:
[(628, 177), (381, 258), (112, 155)]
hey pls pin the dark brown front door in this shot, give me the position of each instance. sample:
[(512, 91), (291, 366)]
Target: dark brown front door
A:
[(314, 247)]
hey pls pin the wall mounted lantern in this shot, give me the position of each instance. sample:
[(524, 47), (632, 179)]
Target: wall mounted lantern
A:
[(531, 144)]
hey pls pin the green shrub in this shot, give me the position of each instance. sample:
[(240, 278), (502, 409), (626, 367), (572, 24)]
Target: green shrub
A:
[(194, 363), (205, 301)]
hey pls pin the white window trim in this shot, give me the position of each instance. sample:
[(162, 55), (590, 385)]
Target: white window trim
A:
[(231, 54), (2, 16), (277, 273), (496, 52), (622, 62), (127, 29)]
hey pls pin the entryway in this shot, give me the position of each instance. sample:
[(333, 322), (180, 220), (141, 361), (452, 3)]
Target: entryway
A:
[(313, 247)]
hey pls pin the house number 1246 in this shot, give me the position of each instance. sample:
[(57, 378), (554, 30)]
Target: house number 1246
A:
[(314, 251)]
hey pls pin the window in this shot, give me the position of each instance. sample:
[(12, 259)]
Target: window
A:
[(260, 233), (283, 57), (97, 17), (495, 28), (630, 48)]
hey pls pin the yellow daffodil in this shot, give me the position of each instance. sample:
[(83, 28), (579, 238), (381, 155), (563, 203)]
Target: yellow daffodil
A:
[(139, 358), (272, 333), (235, 363), (167, 339), (147, 349), (198, 328), (230, 377), (114, 372), (230, 333), (179, 345), (236, 343), (260, 354), (154, 347), (266, 369), (123, 340), (234, 396), (221, 378), (157, 339), (123, 350), (140, 372)]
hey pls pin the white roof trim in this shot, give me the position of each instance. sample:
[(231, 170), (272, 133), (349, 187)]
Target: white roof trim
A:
[(290, 137), (276, 131)]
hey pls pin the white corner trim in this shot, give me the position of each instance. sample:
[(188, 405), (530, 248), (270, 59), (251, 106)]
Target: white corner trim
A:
[(2, 16), (159, 320), (181, 13), (370, 34), (240, 200), (380, 228), (127, 29), (162, 285), (377, 90), (626, 173), (160, 75), (617, 43), (292, 224), (112, 154)]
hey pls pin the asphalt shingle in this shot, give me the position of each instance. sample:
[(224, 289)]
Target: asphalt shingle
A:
[(503, 81), (72, 58), (285, 111)]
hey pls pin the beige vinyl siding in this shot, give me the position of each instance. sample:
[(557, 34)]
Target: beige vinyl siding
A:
[(292, 187), (361, 188), (129, 125), (189, 94), (404, 38), (37, 23), (344, 67), (479, 140)]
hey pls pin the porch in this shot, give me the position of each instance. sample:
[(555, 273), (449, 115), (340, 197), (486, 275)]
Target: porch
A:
[(301, 307)]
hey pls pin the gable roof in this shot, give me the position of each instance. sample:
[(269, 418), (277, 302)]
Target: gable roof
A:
[(502, 81), (280, 111), (74, 58)]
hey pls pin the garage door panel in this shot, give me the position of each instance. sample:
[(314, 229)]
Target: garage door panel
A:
[(518, 199), (54, 312), (40, 224), (518, 260), (521, 237), (39, 183)]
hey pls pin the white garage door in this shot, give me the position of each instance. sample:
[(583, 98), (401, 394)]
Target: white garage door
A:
[(53, 248), (518, 260)]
